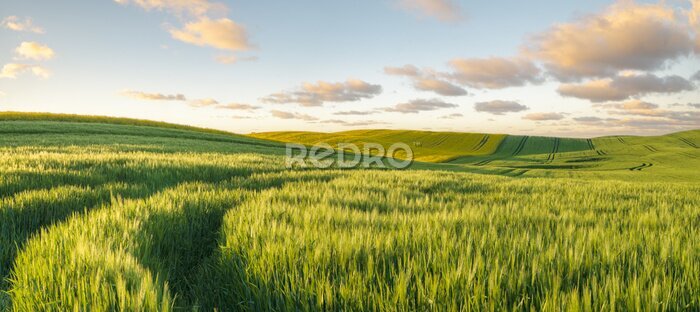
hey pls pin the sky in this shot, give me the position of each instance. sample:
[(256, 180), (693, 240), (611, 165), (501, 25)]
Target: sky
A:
[(540, 67)]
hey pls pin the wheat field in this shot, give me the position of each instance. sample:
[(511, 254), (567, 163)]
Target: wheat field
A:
[(128, 217)]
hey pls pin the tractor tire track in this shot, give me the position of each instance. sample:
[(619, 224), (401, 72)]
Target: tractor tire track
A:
[(441, 141), (621, 140), (591, 146), (518, 150), (521, 146), (555, 149), (641, 167), (650, 148), (484, 162), (481, 143), (686, 141)]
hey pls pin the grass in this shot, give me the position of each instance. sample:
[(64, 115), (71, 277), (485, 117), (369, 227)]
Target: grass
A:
[(117, 216), (414, 241), (22, 116), (426, 146)]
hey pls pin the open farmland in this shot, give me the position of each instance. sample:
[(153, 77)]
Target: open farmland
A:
[(130, 216), (427, 146)]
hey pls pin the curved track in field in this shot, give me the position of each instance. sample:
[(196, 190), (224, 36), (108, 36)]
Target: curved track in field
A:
[(650, 148), (641, 167), (686, 141), (481, 143), (521, 146), (555, 150), (591, 146)]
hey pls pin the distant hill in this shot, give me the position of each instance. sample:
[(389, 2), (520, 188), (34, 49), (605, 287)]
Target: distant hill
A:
[(427, 146), (673, 156)]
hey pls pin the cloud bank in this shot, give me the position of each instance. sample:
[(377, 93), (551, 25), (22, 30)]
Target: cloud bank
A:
[(18, 24), (419, 105), (627, 36), (12, 70), (316, 94), (499, 107), (625, 87)]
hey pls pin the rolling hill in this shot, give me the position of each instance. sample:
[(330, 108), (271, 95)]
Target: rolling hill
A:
[(427, 146), (127, 215), (664, 157)]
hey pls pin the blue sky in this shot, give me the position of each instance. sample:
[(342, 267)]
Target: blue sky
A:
[(123, 58)]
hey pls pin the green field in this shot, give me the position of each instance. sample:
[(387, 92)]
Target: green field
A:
[(99, 214), (656, 158), (427, 146)]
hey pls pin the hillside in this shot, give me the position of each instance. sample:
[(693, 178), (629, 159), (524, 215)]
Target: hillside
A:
[(100, 216), (427, 146), (57, 130), (664, 157)]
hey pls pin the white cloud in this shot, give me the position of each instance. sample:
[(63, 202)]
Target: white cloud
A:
[(289, 115), (544, 116), (223, 34), (627, 36), (438, 86), (203, 102), (315, 94), (589, 119), (644, 116), (443, 10), (624, 87), (354, 112), (190, 8), (17, 24), (633, 107), (238, 106), (419, 105), (694, 14), (178, 97), (426, 80), (494, 72), (406, 70), (34, 51), (452, 116), (153, 96), (12, 70), (205, 24), (499, 107)]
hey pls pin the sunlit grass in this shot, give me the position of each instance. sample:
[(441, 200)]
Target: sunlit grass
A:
[(103, 217)]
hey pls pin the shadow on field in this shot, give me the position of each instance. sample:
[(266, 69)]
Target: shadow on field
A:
[(179, 228), (35, 200)]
